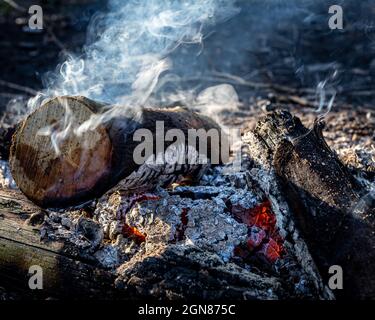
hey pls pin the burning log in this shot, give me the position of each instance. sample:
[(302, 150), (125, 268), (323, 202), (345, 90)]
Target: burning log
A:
[(323, 195), (164, 271), (177, 243), (75, 168)]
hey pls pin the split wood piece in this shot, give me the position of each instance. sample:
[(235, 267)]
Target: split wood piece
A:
[(90, 164), (323, 195)]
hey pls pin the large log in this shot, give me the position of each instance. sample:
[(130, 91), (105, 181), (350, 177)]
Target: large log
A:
[(324, 197), (166, 272), (65, 274), (75, 168)]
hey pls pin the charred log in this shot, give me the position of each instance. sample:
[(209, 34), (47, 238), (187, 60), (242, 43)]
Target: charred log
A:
[(66, 273), (323, 196), (167, 272)]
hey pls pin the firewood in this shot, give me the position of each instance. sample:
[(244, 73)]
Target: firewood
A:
[(89, 165), (323, 195), (65, 273), (172, 272)]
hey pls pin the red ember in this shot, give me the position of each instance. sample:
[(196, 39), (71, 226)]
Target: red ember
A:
[(271, 250), (133, 233), (264, 238), (180, 232)]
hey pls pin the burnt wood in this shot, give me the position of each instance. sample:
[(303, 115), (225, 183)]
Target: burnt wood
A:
[(172, 272), (324, 197), (65, 273)]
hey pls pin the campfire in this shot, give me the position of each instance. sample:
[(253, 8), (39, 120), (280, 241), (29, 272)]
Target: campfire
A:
[(158, 194), (274, 223)]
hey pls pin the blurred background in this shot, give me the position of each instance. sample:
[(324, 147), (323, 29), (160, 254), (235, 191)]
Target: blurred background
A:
[(274, 49)]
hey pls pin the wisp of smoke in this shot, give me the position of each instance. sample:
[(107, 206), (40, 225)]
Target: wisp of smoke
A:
[(130, 46), (128, 51)]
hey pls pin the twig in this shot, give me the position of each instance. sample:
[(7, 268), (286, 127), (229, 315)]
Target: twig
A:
[(15, 5), (18, 87)]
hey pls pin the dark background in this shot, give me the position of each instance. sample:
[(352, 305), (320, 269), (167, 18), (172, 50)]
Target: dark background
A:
[(275, 42)]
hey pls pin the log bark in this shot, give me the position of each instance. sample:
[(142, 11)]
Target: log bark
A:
[(323, 196), (65, 169), (65, 274)]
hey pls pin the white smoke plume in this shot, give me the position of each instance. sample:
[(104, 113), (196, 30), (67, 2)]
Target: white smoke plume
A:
[(128, 56), (129, 48)]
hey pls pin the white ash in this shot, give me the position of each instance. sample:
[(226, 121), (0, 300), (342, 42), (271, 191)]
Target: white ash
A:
[(209, 228), (245, 199), (206, 209), (72, 227), (221, 176), (207, 225), (104, 214), (108, 256)]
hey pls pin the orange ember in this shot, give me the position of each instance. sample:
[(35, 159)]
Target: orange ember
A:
[(263, 217), (263, 238), (133, 233)]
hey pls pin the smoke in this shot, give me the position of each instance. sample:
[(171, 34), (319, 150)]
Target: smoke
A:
[(129, 48), (157, 53), (129, 56), (324, 103)]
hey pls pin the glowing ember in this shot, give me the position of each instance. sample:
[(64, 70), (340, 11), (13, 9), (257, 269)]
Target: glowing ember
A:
[(133, 233), (263, 238), (271, 250), (180, 232)]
